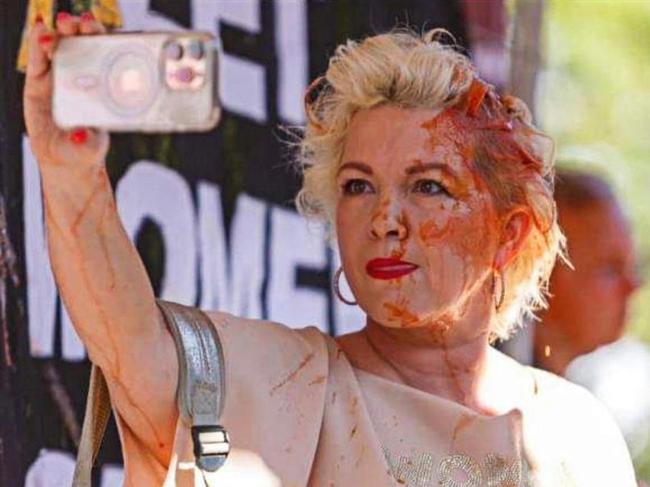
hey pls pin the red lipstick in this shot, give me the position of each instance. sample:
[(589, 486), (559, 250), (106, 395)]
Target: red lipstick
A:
[(386, 268)]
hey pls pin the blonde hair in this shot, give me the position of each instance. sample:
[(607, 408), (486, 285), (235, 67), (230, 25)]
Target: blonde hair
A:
[(418, 71)]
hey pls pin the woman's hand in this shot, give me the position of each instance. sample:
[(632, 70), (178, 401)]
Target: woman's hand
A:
[(50, 144)]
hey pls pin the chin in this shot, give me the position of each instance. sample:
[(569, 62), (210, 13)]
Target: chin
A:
[(400, 303), (416, 333), (393, 315)]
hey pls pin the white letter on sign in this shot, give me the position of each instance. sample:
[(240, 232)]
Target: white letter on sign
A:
[(154, 191), (295, 244), (242, 82), (291, 45)]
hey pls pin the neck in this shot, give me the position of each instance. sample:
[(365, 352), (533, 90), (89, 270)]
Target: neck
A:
[(435, 359), (552, 348)]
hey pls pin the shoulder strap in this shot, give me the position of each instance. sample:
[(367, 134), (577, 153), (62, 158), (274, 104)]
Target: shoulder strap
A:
[(200, 394), (201, 382), (98, 410)]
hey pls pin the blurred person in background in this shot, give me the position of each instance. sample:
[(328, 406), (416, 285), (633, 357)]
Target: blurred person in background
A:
[(589, 305)]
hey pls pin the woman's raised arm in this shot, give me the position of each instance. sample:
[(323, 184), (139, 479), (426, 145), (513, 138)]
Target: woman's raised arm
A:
[(100, 276)]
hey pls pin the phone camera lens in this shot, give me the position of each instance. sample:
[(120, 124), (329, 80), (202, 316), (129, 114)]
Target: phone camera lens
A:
[(174, 51), (195, 49)]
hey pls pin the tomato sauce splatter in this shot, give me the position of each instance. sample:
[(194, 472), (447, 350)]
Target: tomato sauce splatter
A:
[(399, 312), (430, 231), (482, 124)]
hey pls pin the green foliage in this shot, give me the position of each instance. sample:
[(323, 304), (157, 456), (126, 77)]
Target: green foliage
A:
[(80, 6)]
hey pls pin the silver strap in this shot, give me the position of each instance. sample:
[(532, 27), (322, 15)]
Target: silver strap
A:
[(200, 393), (201, 382)]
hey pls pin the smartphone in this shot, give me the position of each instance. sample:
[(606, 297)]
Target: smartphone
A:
[(136, 82)]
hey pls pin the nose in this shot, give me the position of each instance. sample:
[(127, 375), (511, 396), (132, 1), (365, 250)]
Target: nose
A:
[(389, 220)]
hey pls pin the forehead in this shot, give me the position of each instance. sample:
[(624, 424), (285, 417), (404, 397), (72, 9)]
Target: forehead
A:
[(391, 137)]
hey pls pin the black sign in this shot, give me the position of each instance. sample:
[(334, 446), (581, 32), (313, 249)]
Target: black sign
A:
[(211, 214)]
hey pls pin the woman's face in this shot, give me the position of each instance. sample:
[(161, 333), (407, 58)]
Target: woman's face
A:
[(416, 225)]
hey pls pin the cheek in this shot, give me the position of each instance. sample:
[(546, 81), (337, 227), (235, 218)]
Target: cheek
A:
[(449, 271), (434, 228), (347, 221), (351, 221), (342, 216), (353, 212), (457, 236)]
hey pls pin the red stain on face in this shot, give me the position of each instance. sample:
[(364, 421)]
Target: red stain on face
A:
[(430, 231), (400, 314), (410, 187), (381, 210), (398, 253), (407, 192), (475, 96), (483, 122)]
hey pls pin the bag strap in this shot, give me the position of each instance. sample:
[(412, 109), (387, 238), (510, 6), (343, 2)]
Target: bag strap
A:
[(98, 410), (200, 393), (201, 382)]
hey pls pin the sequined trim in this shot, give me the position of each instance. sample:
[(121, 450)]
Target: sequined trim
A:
[(502, 473), (457, 470), (415, 471)]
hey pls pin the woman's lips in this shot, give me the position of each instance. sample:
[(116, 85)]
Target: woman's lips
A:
[(389, 268)]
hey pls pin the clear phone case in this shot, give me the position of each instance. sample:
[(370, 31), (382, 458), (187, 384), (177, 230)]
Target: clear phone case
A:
[(136, 82)]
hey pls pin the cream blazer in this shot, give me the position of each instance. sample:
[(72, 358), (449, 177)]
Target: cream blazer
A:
[(299, 415)]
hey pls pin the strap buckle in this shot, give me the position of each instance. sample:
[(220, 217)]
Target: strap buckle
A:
[(211, 446)]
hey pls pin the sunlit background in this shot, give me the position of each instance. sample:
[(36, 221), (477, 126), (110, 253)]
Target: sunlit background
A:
[(593, 97)]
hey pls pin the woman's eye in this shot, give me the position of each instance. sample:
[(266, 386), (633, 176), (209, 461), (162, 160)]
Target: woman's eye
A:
[(356, 186), (428, 186)]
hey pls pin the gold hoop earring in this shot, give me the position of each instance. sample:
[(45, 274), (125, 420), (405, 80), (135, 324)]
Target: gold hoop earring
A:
[(337, 290), (498, 301)]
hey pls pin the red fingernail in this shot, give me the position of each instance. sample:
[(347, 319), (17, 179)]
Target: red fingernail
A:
[(45, 38), (87, 17), (39, 19), (62, 16), (79, 136)]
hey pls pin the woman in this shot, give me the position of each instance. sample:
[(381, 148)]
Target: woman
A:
[(439, 193)]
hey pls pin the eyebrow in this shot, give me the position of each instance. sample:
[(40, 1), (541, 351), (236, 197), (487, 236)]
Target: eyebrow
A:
[(420, 167), (416, 168), (359, 166)]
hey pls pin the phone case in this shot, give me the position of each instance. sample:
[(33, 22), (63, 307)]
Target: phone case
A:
[(136, 82)]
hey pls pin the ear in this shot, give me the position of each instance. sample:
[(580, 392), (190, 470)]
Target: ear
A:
[(514, 231)]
